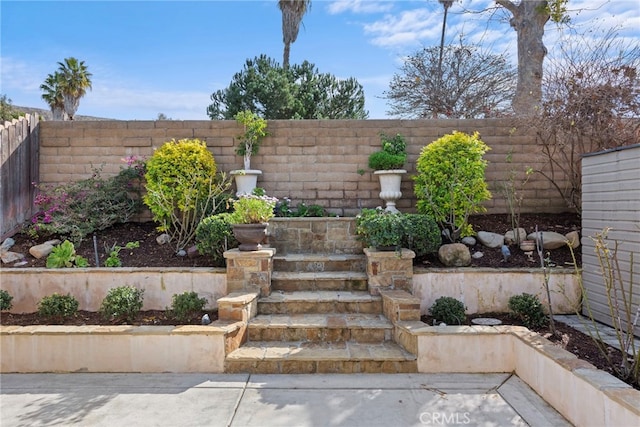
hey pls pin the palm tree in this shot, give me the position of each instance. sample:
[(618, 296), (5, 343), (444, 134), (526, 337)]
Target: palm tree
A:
[(292, 13), (74, 81), (53, 95), (446, 4)]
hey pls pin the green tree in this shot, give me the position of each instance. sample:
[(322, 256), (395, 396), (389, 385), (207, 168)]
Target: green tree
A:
[(292, 13), (52, 95), (471, 84), (74, 81), (7, 111), (298, 92)]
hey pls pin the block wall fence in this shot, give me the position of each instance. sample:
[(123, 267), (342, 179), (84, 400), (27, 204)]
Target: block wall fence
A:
[(310, 161)]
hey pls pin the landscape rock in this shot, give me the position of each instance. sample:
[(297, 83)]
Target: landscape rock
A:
[(477, 255), (454, 255), (8, 257), (469, 241), (44, 249), (574, 239), (6, 245), (510, 236), (550, 239), (163, 239), (490, 240), (192, 252)]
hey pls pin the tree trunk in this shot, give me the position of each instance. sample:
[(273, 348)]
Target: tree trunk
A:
[(285, 57), (528, 19)]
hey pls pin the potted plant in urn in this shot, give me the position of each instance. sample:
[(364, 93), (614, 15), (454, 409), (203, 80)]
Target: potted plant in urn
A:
[(250, 218), (255, 129), (388, 163)]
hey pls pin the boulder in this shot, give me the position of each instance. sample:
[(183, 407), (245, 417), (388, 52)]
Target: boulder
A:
[(469, 241), (44, 249), (454, 255), (490, 240), (510, 236), (550, 239), (574, 238)]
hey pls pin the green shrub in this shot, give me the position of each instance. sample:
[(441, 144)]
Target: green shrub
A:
[(186, 306), (393, 154), (5, 300), (422, 234), (214, 235), (379, 228), (122, 304), (450, 181), (64, 255), (72, 211), (528, 309), (57, 307), (114, 254), (182, 188), (448, 310)]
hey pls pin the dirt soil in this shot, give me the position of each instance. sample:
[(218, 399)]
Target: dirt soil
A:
[(151, 254)]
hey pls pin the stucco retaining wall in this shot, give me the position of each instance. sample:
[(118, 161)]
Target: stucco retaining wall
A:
[(488, 290), (90, 285)]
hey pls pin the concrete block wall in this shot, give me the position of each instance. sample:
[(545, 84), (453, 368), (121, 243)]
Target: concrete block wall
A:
[(310, 161)]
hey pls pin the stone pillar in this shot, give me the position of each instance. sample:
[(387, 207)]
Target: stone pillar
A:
[(387, 270), (249, 271)]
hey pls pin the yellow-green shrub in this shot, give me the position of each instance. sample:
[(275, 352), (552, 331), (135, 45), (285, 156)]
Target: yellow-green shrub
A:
[(450, 183), (182, 187)]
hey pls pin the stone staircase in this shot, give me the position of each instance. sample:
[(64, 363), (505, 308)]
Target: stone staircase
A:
[(319, 316)]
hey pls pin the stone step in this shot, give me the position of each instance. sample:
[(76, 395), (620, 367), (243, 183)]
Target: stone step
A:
[(332, 327), (320, 302), (319, 281), (275, 357), (310, 262)]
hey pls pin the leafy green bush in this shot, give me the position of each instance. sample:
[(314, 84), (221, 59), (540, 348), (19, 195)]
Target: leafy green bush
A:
[(253, 209), (528, 309), (450, 181), (422, 234), (379, 228), (448, 310), (186, 306), (214, 235), (57, 307), (393, 154), (5, 300), (72, 211), (122, 304), (64, 255), (284, 209), (182, 188)]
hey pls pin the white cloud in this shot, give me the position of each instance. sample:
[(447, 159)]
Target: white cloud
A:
[(359, 6), (17, 74)]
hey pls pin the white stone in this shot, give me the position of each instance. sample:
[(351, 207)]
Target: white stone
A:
[(469, 241), (8, 257), (510, 236), (477, 255), (490, 240), (550, 239), (6, 245), (163, 239)]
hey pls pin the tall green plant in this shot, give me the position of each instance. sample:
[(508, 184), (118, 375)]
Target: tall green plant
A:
[(254, 131), (183, 188), (450, 181)]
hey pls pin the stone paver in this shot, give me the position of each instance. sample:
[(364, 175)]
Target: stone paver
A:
[(243, 400)]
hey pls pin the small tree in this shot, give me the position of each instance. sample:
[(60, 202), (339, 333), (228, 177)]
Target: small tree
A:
[(255, 129), (450, 183)]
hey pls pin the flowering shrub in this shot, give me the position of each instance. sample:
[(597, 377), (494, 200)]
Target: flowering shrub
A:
[(75, 210)]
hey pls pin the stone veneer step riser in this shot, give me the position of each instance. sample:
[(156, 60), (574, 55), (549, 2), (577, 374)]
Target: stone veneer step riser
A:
[(300, 285), (305, 307), (322, 367), (318, 264), (318, 334)]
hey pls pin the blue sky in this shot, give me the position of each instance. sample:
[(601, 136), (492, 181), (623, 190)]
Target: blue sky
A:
[(151, 57)]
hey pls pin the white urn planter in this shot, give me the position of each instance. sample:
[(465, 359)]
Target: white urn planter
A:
[(246, 180), (390, 181)]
